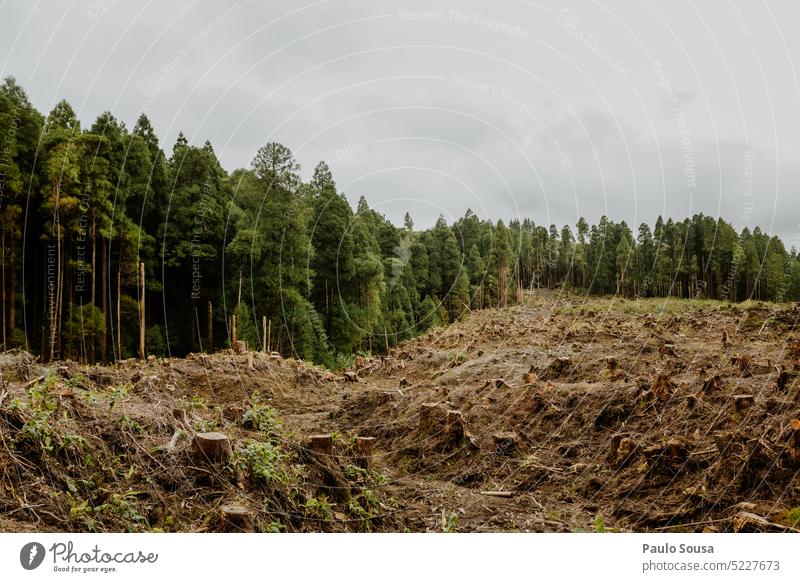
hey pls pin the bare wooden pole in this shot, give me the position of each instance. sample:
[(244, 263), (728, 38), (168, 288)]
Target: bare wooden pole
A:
[(264, 333), (119, 317), (233, 331), (269, 335), (141, 310)]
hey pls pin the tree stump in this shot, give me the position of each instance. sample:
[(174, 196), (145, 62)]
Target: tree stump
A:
[(213, 447), (625, 450), (240, 347), (275, 356), (714, 383), (742, 402), (528, 378), (786, 378), (455, 427), (350, 377), (676, 451), (558, 367), (364, 447), (321, 443), (662, 387), (794, 440), (505, 443), (742, 362), (234, 518)]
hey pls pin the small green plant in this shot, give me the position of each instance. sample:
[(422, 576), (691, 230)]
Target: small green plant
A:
[(599, 524), (118, 394), (457, 358), (449, 522), (263, 461), (319, 507), (262, 418), (127, 423), (793, 517)]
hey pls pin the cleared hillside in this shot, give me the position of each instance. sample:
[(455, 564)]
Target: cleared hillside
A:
[(560, 414)]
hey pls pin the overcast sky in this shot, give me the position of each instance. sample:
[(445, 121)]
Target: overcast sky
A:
[(512, 108)]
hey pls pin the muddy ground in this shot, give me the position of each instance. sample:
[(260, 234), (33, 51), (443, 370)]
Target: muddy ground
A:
[(560, 414)]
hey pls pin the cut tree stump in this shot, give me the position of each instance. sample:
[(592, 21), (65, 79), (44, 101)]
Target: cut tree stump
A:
[(240, 347), (321, 443), (743, 362), (742, 402), (794, 440), (235, 519), (558, 367), (364, 447), (786, 378), (714, 383), (662, 387), (505, 443), (497, 383), (455, 427), (213, 447)]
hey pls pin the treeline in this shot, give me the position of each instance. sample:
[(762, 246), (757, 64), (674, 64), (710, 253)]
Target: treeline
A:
[(85, 211)]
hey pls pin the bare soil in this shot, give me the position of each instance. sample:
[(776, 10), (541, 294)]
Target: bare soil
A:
[(559, 414)]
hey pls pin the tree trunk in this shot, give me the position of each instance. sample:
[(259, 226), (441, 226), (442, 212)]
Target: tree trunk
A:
[(118, 354), (141, 311), (104, 303), (5, 316), (92, 338)]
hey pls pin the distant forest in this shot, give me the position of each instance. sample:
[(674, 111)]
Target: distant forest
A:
[(86, 211)]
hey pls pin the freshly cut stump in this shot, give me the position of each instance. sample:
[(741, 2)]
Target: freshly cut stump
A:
[(364, 448), (742, 402), (234, 518), (213, 447), (321, 443), (240, 347), (455, 427)]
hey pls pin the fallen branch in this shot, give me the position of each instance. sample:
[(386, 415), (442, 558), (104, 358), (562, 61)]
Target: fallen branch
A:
[(505, 494)]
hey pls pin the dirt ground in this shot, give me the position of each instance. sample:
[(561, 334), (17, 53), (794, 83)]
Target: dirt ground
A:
[(564, 413)]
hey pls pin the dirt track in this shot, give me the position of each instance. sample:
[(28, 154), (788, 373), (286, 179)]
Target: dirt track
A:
[(624, 416)]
